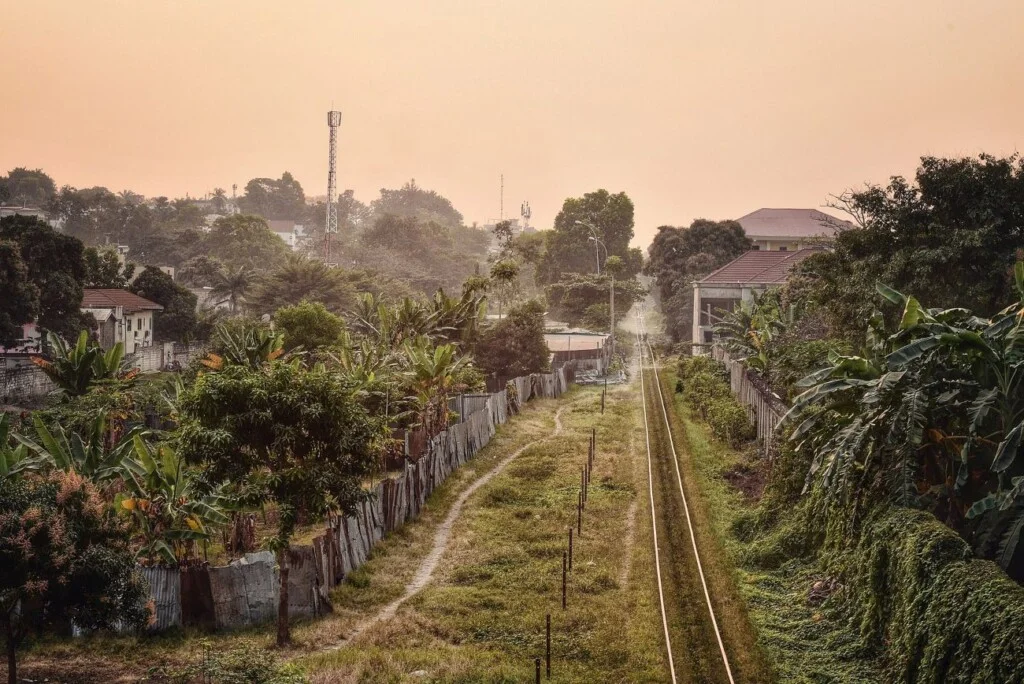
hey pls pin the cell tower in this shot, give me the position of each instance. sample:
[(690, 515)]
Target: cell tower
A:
[(331, 225), (525, 212)]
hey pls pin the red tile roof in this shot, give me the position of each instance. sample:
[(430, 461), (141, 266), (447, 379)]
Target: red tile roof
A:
[(759, 267), (108, 298), (798, 223)]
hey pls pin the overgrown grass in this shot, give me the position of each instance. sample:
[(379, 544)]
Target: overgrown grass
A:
[(104, 658), (483, 616), (802, 642)]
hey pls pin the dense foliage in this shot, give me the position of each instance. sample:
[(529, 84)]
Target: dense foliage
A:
[(679, 256), (515, 345), (951, 237)]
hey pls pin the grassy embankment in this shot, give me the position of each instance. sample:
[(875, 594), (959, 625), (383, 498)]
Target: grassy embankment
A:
[(802, 642), (483, 616), (381, 580)]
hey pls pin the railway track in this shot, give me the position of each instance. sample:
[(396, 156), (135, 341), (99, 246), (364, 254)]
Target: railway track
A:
[(693, 639)]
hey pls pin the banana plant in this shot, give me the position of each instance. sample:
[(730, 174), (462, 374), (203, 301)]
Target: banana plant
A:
[(932, 415), (76, 369), (16, 459), (94, 456), (251, 346), (166, 508)]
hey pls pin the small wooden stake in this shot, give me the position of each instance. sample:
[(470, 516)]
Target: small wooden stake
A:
[(564, 573), (536, 664), (579, 515), (570, 548), (547, 651)]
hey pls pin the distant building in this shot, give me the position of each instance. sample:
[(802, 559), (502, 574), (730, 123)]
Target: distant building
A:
[(120, 317), (737, 281), (289, 231), (787, 230), (30, 211), (30, 342)]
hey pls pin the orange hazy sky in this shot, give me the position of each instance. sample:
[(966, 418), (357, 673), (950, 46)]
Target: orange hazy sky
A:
[(703, 108)]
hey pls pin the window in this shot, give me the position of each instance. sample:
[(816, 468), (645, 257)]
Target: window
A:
[(128, 322), (783, 248), (756, 248)]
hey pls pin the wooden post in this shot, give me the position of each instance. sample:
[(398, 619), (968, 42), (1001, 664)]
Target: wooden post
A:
[(602, 400), (547, 650), (579, 515), (570, 548), (564, 578), (583, 487)]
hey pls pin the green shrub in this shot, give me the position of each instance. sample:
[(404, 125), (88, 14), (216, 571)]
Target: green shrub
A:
[(244, 665), (728, 420)]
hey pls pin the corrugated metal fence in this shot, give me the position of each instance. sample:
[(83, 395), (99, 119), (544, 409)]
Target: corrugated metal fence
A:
[(764, 407), (245, 592)]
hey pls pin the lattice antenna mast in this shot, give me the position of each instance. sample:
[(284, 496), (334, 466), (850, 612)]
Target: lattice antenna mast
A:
[(525, 212), (331, 225)]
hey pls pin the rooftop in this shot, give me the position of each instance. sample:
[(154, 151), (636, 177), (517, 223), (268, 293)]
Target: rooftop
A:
[(759, 267), (799, 223), (109, 298)]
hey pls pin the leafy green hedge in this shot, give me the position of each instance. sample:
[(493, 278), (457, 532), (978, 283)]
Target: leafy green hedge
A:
[(705, 387), (940, 614), (912, 589)]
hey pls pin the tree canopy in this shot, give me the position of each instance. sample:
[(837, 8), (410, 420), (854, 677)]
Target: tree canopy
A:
[(177, 321), (569, 247), (245, 240), (679, 256), (951, 236), (274, 199), (56, 267), (514, 345), (412, 201), (26, 187), (20, 303)]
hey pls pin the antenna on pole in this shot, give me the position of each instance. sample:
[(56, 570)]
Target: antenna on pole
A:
[(525, 212), (331, 224)]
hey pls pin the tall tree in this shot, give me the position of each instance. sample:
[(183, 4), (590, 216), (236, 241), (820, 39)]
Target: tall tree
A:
[(951, 237), (103, 268), (20, 301), (298, 435), (415, 202), (177, 321), (244, 240), (679, 256), (56, 267), (570, 248), (514, 345), (231, 284), (301, 279), (308, 325), (274, 199), (26, 187)]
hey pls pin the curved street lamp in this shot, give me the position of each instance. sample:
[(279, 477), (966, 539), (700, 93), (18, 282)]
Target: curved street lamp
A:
[(597, 241)]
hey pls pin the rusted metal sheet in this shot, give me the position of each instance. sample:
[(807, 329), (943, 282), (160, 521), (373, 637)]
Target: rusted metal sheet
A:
[(165, 592)]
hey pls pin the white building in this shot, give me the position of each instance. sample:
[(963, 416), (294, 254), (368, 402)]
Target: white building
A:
[(790, 229), (121, 317), (289, 231)]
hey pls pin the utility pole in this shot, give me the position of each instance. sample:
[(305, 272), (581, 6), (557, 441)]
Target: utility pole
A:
[(611, 325)]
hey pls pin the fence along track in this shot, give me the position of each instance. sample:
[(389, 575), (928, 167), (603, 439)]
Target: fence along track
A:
[(643, 341)]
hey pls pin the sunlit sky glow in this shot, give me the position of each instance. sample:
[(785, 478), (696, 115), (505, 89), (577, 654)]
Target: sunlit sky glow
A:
[(695, 109)]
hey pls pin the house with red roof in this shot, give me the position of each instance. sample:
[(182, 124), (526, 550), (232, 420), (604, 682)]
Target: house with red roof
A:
[(723, 290), (121, 316)]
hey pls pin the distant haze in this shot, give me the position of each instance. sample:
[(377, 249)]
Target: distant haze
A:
[(695, 109)]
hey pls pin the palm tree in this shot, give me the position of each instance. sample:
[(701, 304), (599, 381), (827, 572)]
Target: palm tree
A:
[(301, 278), (220, 200), (231, 285)]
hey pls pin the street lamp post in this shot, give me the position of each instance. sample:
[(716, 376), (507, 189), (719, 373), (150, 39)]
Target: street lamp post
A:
[(611, 288)]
